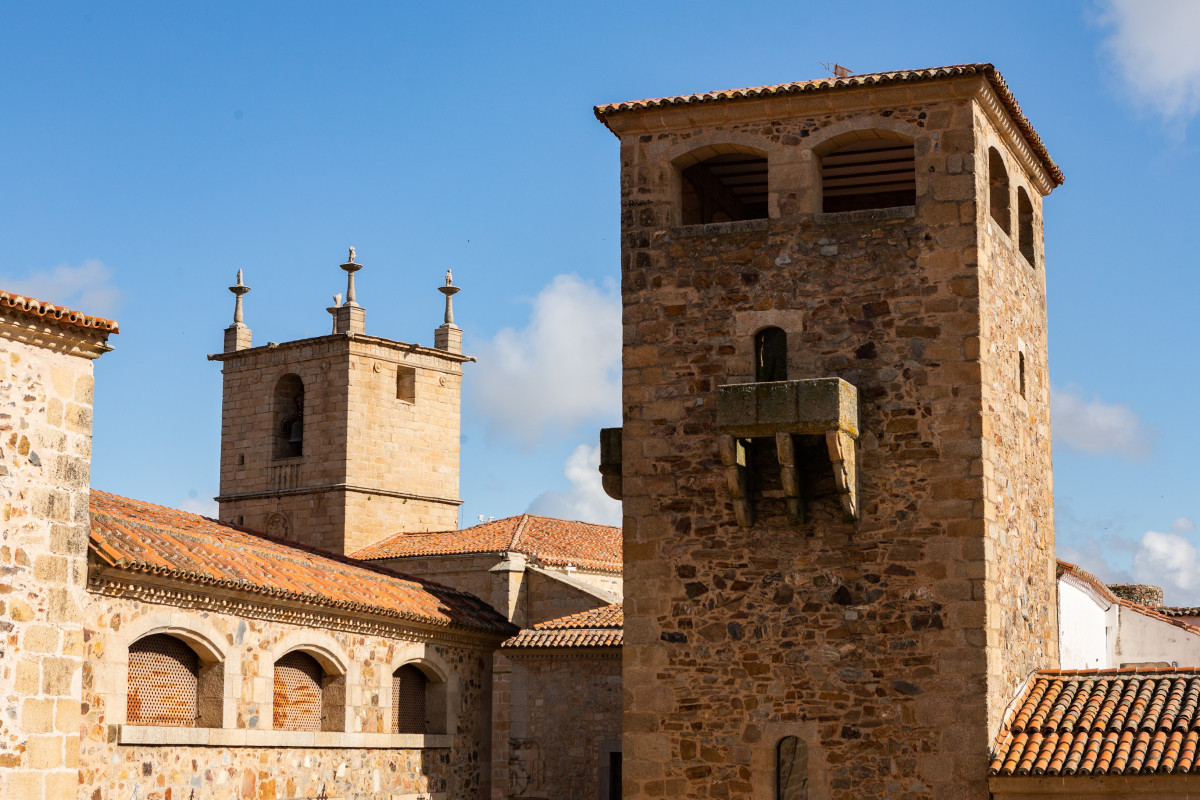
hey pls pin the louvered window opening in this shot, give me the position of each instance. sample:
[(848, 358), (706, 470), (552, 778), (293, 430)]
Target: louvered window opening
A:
[(163, 681), (877, 174), (409, 686), (725, 188), (297, 701)]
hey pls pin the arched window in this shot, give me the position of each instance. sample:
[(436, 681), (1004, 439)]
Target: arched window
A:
[(409, 687), (306, 697), (770, 355), (1025, 226), (998, 190), (876, 173), (791, 769), (727, 187), (289, 416), (170, 686)]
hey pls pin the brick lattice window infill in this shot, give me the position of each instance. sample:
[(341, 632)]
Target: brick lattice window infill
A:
[(163, 680), (297, 701), (408, 700)]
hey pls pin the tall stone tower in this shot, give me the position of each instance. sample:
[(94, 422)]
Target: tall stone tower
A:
[(339, 440), (835, 454)]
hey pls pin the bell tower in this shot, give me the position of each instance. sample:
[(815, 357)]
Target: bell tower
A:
[(835, 452), (339, 440)]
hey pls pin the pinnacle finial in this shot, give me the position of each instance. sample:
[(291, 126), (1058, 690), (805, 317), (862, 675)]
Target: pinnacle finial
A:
[(449, 290), (351, 267), (238, 290), (351, 261)]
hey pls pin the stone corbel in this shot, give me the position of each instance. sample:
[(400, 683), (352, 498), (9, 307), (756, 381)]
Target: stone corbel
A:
[(734, 457), (789, 476), (610, 462), (845, 471)]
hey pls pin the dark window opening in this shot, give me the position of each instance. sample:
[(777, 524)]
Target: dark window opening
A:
[(170, 686), (1021, 372), (241, 459), (880, 173), (409, 688), (305, 697), (791, 769), (724, 188), (998, 190), (1025, 226), (614, 776), (289, 417), (770, 355)]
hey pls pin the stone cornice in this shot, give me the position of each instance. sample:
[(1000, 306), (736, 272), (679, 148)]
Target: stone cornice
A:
[(998, 115), (342, 487), (49, 334), (158, 590), (344, 343)]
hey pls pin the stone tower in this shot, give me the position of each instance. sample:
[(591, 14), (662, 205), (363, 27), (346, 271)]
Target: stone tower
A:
[(835, 453), (337, 441)]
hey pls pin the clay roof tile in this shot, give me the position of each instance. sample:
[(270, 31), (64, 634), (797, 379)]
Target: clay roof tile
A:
[(59, 314)]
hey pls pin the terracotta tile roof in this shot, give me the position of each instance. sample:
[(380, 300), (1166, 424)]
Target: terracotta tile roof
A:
[(1157, 612), (59, 314), (556, 542), (600, 627), (1179, 611), (1102, 722), (855, 81), (141, 537)]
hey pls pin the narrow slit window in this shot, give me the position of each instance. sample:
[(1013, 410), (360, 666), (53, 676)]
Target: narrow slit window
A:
[(770, 355), (998, 190), (726, 188), (406, 384), (1021, 373), (791, 769), (1025, 226), (879, 173)]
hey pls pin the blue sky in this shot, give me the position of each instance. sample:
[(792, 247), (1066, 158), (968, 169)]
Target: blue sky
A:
[(154, 149)]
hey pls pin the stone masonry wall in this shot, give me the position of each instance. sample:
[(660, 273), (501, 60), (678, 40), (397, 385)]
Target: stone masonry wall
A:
[(373, 464), (248, 647), (1022, 622), (557, 716), (45, 450), (869, 640)]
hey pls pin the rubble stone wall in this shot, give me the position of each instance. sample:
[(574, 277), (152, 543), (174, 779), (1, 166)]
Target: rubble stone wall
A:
[(877, 631), (45, 452), (116, 763)]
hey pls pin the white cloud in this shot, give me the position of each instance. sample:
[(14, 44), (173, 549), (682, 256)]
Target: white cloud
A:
[(585, 500), (1152, 44), (561, 369), (1170, 560), (1094, 426), (87, 287), (203, 506)]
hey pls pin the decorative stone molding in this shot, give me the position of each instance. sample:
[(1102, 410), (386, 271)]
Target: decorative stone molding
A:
[(996, 113)]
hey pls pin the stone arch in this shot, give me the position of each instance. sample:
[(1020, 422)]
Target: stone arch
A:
[(340, 685), (695, 159), (442, 699), (860, 129), (220, 665), (864, 168), (287, 416)]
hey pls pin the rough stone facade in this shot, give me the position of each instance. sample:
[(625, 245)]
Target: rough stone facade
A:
[(245, 758), (557, 721), (888, 645), (380, 440), (46, 389)]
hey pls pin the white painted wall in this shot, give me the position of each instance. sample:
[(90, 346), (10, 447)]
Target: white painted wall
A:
[(1142, 639), (1084, 622)]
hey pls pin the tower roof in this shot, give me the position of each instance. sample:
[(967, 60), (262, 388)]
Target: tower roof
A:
[(605, 112)]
